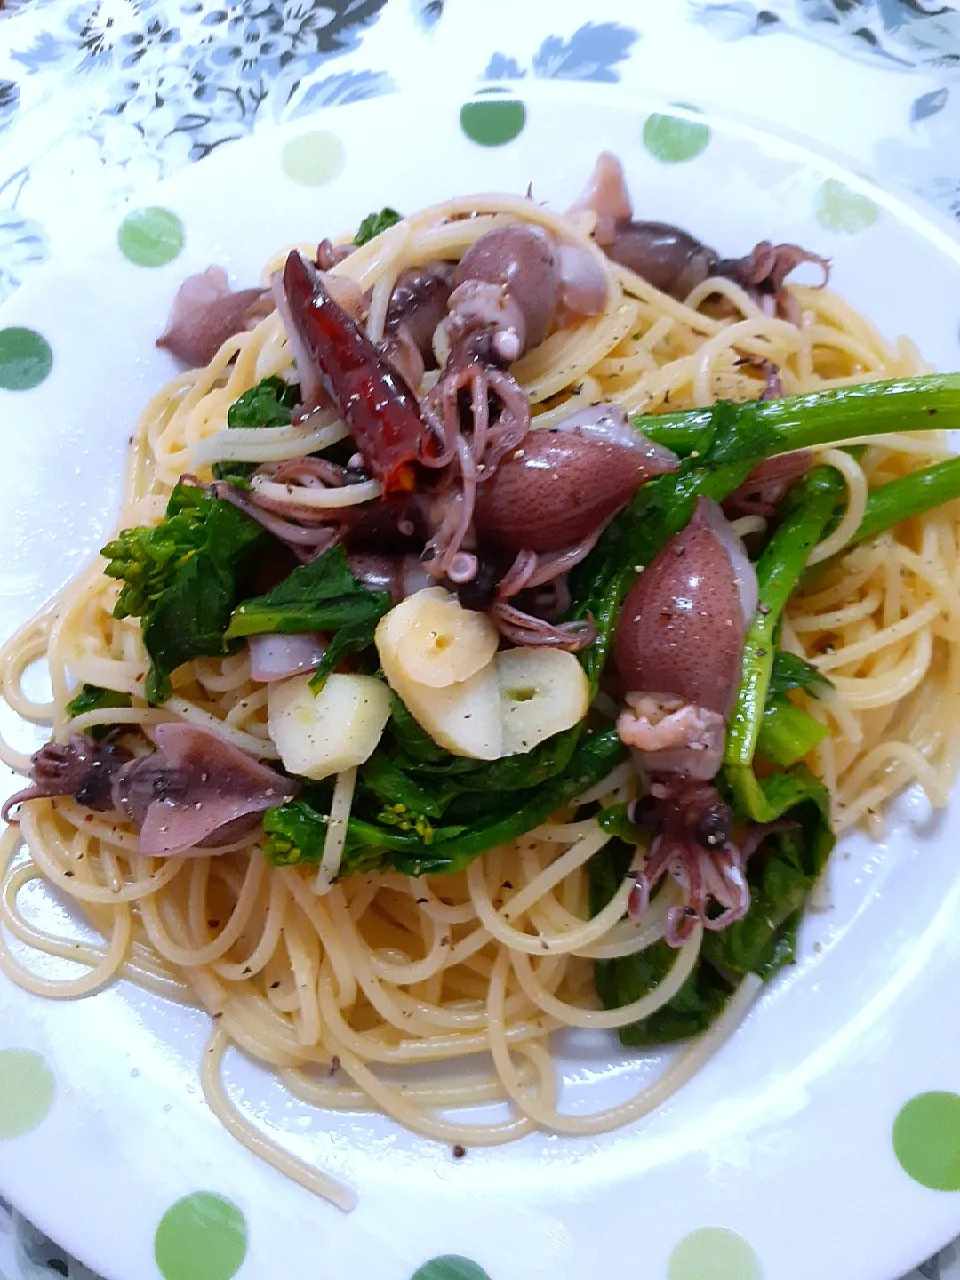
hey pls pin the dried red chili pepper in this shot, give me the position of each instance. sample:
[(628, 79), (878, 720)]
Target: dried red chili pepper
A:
[(378, 407)]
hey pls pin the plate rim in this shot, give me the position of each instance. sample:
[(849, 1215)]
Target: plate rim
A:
[(906, 208)]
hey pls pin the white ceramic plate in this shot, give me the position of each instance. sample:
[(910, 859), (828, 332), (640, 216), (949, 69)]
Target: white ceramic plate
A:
[(782, 1146)]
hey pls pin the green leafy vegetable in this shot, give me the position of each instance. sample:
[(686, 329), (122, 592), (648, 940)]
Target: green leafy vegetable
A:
[(775, 795), (781, 878), (385, 779), (374, 223), (787, 733), (505, 817), (320, 596), (690, 1011), (295, 833), (183, 578), (415, 748), (624, 980), (608, 867), (406, 805), (790, 672), (444, 843), (92, 698), (269, 404), (420, 756), (615, 820)]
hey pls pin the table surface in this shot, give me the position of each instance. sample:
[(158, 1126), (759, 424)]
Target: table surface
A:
[(98, 97)]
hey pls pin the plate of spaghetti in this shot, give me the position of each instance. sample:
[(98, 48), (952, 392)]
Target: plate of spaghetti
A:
[(482, 654)]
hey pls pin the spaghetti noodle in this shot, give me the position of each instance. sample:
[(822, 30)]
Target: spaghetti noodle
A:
[(335, 983)]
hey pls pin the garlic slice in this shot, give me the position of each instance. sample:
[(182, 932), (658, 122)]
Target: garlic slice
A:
[(318, 734), (542, 692), (434, 641)]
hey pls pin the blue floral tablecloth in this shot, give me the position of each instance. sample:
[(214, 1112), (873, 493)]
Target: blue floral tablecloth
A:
[(98, 97)]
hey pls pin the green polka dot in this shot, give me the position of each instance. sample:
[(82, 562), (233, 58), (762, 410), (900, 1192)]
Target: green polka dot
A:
[(673, 140), (201, 1237), (314, 159), (26, 1091), (25, 359), (840, 209), (926, 1140), (493, 124), (450, 1267), (150, 237), (714, 1253)]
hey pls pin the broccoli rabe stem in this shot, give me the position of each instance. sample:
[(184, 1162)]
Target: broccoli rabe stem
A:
[(806, 513), (825, 417), (787, 733), (910, 495), (720, 446)]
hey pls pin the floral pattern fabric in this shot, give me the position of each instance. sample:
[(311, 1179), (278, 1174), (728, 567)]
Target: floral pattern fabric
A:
[(99, 97)]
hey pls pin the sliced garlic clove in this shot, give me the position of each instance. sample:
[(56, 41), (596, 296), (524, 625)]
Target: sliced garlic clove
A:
[(434, 641), (327, 732), (464, 717), (542, 692)]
